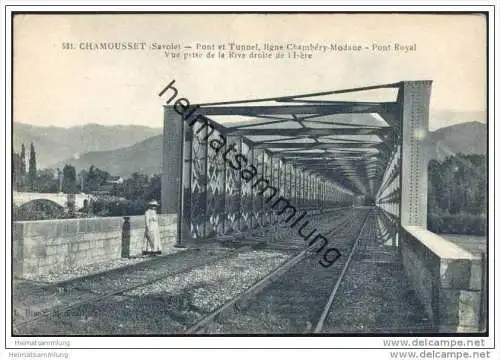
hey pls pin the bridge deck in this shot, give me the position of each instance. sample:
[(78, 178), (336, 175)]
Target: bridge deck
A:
[(169, 293)]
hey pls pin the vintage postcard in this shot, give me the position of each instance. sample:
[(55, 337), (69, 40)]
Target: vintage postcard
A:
[(316, 175)]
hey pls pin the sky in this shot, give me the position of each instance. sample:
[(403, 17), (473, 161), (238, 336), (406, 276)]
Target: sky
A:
[(57, 87)]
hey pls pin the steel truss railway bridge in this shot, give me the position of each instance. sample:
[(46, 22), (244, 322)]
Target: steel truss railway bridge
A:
[(321, 152), (265, 194)]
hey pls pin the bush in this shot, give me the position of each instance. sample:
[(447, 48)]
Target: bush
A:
[(118, 207), (38, 210), (110, 206), (462, 223)]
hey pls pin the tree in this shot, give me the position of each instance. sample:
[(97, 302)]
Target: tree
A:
[(81, 179), (133, 188), (23, 160), (16, 171), (93, 179), (457, 199), (435, 184), (59, 180), (69, 179), (32, 168), (46, 181), (153, 191)]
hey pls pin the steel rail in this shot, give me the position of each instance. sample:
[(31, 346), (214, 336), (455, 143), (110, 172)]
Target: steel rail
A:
[(95, 299), (326, 309), (61, 309), (250, 292), (257, 287)]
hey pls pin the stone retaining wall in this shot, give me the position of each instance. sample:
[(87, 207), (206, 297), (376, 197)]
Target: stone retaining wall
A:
[(446, 278), (40, 247)]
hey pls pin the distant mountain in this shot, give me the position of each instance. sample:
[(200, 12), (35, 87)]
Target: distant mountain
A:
[(145, 156), (54, 144), (466, 138), (443, 118)]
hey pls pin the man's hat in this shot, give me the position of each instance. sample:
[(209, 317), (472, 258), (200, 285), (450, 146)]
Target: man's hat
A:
[(153, 203)]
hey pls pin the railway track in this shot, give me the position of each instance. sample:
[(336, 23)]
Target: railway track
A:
[(282, 236), (98, 287), (115, 285), (329, 224), (327, 308), (288, 299)]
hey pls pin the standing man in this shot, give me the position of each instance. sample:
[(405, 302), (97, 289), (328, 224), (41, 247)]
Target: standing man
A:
[(152, 233)]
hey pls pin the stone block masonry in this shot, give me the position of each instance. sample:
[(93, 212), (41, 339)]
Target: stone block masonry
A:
[(41, 247), (446, 278)]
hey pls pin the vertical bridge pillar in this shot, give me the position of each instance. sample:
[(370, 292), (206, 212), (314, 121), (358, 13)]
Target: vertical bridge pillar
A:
[(171, 184), (413, 99), (446, 278)]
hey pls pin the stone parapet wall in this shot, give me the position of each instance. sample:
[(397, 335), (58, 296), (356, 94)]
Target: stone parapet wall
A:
[(41, 247), (446, 278)]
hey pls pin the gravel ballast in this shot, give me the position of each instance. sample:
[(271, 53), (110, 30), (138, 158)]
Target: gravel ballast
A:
[(90, 269), (166, 306), (32, 298)]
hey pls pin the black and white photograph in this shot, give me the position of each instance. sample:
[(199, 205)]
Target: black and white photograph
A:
[(184, 179)]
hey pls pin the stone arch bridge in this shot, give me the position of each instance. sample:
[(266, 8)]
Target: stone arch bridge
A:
[(60, 199)]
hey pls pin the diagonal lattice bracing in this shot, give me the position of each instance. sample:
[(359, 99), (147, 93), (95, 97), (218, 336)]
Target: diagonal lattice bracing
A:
[(318, 151)]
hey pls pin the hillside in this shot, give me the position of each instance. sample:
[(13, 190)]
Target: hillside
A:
[(440, 118), (145, 156), (55, 144), (466, 138)]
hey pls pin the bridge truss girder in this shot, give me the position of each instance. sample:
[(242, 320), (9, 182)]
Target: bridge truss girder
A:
[(311, 150)]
